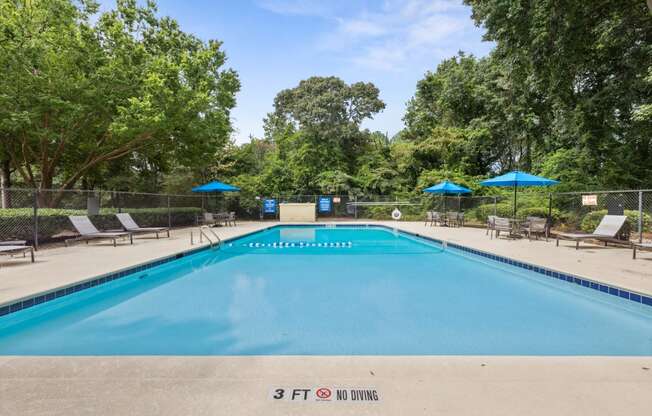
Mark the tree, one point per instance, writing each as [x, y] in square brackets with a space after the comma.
[76, 95]
[587, 63]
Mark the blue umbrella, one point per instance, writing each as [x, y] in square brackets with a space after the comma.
[516, 179]
[215, 186]
[447, 188]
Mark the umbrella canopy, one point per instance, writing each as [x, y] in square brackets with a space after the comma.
[516, 179]
[447, 188]
[215, 186]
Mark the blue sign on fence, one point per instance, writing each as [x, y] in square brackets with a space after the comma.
[269, 206]
[325, 204]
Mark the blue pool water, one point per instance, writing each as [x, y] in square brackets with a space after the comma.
[337, 291]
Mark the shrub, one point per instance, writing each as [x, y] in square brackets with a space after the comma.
[481, 212]
[539, 212]
[593, 218]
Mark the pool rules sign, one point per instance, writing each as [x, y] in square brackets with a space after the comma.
[324, 394]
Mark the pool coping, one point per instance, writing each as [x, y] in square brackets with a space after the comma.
[16, 305]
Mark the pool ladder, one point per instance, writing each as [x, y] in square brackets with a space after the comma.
[204, 233]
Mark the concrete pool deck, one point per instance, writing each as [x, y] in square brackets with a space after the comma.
[416, 385]
[424, 385]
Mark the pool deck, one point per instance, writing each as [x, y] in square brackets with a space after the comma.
[417, 385]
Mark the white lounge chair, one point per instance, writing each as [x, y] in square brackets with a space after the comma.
[11, 248]
[640, 246]
[130, 225]
[608, 230]
[87, 231]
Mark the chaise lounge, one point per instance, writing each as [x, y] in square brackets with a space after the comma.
[88, 231]
[16, 247]
[131, 226]
[609, 229]
[640, 246]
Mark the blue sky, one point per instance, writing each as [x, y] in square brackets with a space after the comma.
[274, 44]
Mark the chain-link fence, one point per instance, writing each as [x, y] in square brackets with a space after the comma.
[583, 210]
[40, 216]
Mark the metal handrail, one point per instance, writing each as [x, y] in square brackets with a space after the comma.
[202, 233]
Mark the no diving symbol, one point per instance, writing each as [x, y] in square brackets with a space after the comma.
[323, 393]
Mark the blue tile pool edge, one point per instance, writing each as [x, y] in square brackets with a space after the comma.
[33, 300]
[627, 294]
[51, 294]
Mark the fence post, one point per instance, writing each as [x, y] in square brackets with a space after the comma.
[495, 205]
[640, 216]
[355, 206]
[169, 214]
[550, 207]
[35, 206]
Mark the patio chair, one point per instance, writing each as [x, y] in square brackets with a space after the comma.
[88, 231]
[536, 226]
[611, 228]
[490, 225]
[429, 218]
[502, 225]
[460, 219]
[10, 248]
[438, 218]
[452, 219]
[130, 225]
[208, 219]
[640, 246]
[231, 218]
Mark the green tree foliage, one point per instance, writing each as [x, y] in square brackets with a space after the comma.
[80, 90]
[585, 68]
[313, 137]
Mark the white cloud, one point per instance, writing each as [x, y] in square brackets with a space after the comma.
[398, 34]
[361, 27]
[298, 7]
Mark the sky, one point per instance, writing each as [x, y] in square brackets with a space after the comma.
[274, 44]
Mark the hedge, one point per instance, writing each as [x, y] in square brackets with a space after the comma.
[53, 224]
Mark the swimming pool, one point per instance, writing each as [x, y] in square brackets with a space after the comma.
[331, 291]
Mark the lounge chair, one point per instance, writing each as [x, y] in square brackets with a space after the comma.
[640, 246]
[609, 229]
[502, 225]
[130, 225]
[87, 231]
[16, 247]
[536, 226]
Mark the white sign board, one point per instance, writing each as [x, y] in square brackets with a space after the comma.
[589, 200]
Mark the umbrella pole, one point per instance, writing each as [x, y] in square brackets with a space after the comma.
[514, 215]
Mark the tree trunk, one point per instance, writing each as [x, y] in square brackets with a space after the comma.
[5, 183]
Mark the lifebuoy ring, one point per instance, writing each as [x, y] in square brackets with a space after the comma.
[396, 214]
